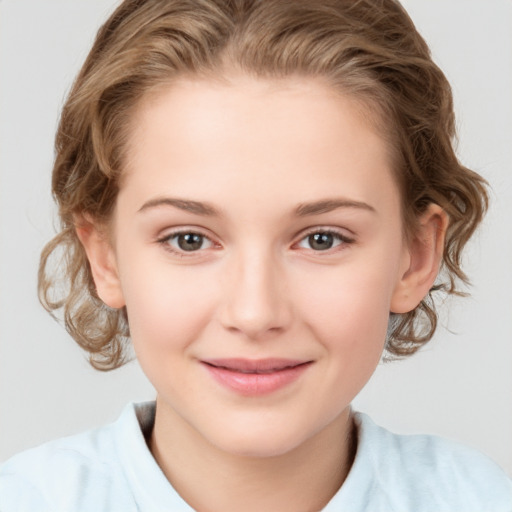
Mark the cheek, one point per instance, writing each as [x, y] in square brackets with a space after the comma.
[167, 306]
[349, 311]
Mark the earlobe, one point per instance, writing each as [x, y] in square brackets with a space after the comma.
[101, 256]
[425, 253]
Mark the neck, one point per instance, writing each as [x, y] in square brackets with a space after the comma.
[211, 479]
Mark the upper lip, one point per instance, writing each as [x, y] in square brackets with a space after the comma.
[255, 365]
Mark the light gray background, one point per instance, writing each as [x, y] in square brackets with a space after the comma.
[459, 386]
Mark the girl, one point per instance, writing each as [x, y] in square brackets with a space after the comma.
[259, 195]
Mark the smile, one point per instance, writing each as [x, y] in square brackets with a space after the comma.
[255, 377]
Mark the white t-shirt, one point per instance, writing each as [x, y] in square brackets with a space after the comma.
[112, 470]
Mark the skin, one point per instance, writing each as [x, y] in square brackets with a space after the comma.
[255, 286]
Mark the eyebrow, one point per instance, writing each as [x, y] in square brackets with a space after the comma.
[197, 207]
[302, 210]
[328, 205]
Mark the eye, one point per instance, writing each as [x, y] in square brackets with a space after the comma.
[323, 240]
[186, 241]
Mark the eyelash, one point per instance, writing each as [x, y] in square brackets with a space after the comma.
[165, 242]
[342, 238]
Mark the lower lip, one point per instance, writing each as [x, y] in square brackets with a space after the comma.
[254, 384]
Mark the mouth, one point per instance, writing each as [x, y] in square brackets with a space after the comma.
[255, 377]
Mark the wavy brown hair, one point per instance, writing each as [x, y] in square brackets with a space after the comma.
[367, 49]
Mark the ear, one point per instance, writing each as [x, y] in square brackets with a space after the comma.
[425, 252]
[101, 256]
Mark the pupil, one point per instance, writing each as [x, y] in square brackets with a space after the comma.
[321, 241]
[190, 241]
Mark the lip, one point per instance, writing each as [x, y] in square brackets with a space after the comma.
[253, 377]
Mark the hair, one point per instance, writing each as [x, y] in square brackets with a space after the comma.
[367, 49]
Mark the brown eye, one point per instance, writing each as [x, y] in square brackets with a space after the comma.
[324, 240]
[190, 241]
[321, 241]
[186, 241]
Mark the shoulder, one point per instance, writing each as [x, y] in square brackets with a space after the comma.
[73, 473]
[440, 474]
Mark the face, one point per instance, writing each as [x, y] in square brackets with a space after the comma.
[258, 247]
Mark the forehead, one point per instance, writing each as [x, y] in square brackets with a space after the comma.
[285, 106]
[289, 138]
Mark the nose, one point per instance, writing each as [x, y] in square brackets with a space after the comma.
[255, 297]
